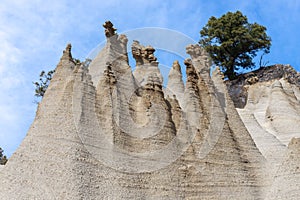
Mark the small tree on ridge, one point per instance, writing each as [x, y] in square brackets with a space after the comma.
[3, 158]
[42, 85]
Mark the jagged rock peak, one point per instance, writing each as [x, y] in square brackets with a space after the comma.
[190, 69]
[67, 53]
[188, 62]
[109, 29]
[119, 41]
[116, 136]
[175, 86]
[195, 51]
[143, 55]
[176, 66]
[200, 59]
[114, 52]
[191, 82]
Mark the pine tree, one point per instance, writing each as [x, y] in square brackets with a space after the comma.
[233, 42]
[3, 158]
[42, 85]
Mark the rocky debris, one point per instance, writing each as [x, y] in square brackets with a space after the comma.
[238, 88]
[252, 80]
[67, 53]
[294, 145]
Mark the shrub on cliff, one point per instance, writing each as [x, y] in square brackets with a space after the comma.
[3, 158]
[42, 85]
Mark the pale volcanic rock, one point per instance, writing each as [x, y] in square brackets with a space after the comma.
[146, 63]
[113, 53]
[283, 112]
[175, 84]
[103, 132]
[286, 181]
[272, 115]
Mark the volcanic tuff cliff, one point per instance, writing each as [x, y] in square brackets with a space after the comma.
[103, 132]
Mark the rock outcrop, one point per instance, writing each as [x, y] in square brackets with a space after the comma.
[270, 103]
[103, 132]
[146, 63]
[238, 87]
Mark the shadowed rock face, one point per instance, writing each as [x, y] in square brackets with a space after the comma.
[103, 132]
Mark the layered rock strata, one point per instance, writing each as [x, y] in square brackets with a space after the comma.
[103, 132]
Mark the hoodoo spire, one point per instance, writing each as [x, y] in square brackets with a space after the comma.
[109, 29]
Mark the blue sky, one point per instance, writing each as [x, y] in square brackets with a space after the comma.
[33, 34]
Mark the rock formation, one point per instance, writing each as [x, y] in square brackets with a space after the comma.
[103, 132]
[238, 87]
[269, 105]
[175, 83]
[145, 62]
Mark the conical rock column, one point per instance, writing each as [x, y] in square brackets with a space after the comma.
[175, 84]
[44, 166]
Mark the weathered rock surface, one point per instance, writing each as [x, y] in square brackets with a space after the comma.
[175, 84]
[238, 88]
[103, 132]
[146, 63]
[271, 114]
[285, 184]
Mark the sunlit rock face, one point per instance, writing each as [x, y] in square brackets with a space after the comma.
[105, 132]
[269, 106]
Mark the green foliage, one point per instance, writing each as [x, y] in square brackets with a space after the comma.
[42, 85]
[232, 42]
[76, 61]
[3, 158]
